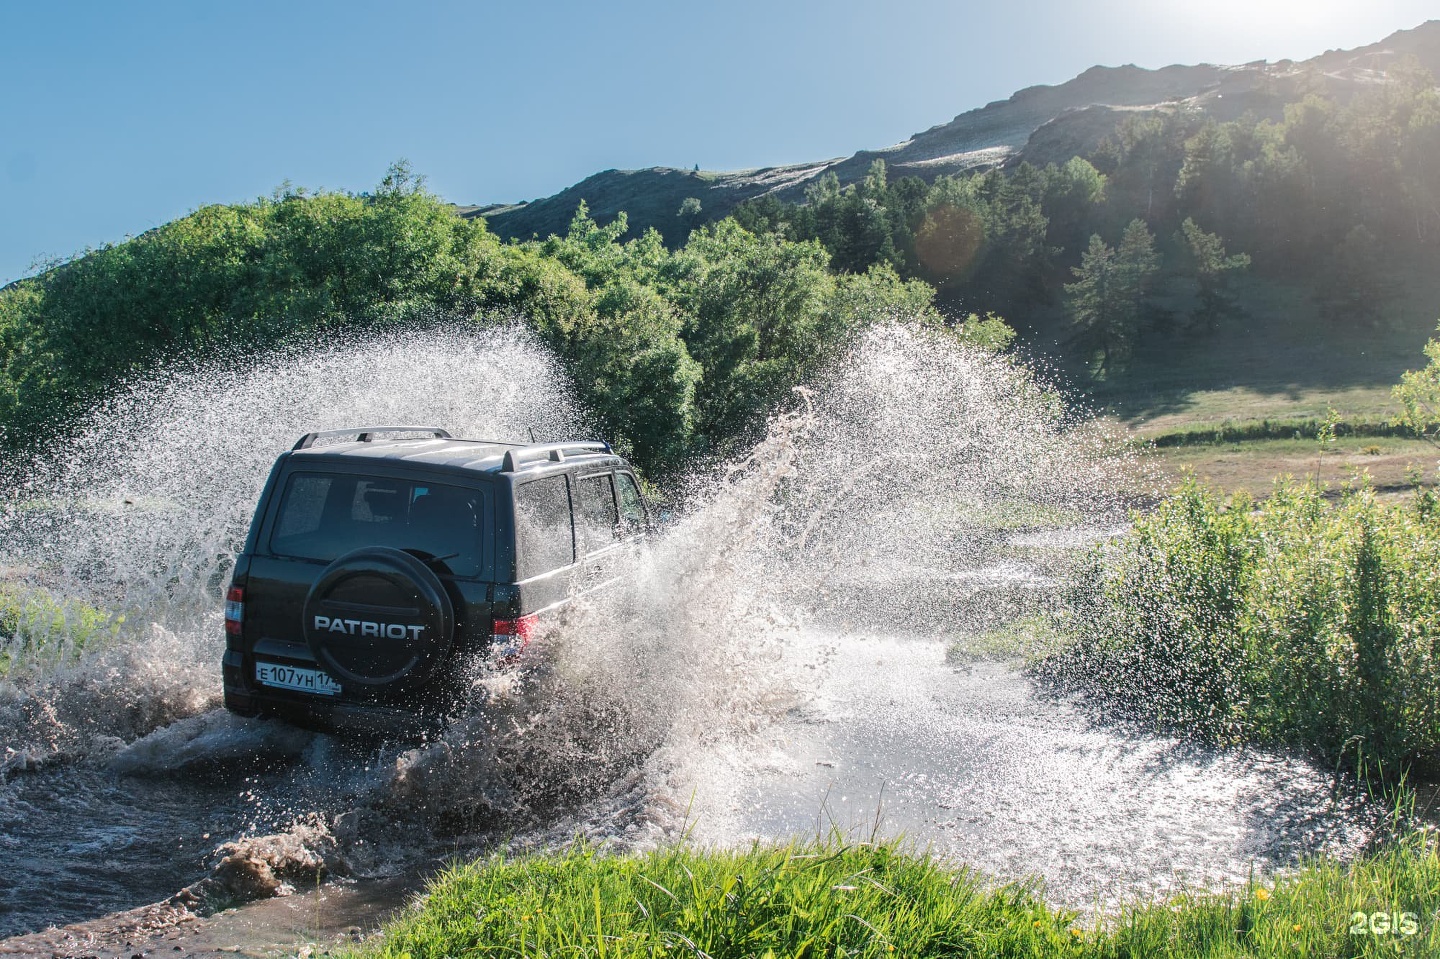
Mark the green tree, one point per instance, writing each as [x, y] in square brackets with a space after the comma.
[754, 315]
[761, 313]
[767, 214]
[1108, 298]
[1418, 394]
[1419, 156]
[1101, 326]
[689, 213]
[1142, 162]
[1073, 194]
[639, 376]
[1206, 183]
[1211, 268]
[230, 276]
[1138, 257]
[624, 346]
[1351, 290]
[672, 351]
[989, 332]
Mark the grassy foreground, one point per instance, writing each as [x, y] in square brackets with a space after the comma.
[832, 898]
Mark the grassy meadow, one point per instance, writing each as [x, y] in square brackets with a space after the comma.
[1240, 407]
[1389, 464]
[1280, 359]
[39, 627]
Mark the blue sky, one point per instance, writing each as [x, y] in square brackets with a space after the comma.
[119, 117]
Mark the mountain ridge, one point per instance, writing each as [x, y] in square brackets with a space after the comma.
[1041, 124]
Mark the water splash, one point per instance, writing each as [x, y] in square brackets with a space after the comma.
[926, 465]
[689, 652]
[137, 513]
[906, 487]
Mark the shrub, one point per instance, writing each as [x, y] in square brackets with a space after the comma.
[674, 352]
[1294, 621]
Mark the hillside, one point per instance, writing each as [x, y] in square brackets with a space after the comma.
[1041, 124]
[649, 197]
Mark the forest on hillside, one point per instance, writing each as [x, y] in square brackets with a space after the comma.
[1173, 198]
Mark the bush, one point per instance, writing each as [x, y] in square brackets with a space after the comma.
[1203, 434]
[1295, 621]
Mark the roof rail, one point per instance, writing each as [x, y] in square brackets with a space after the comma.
[364, 433]
[552, 452]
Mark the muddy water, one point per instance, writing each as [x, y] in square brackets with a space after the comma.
[779, 664]
[82, 842]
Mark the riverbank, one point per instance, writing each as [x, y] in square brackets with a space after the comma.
[869, 899]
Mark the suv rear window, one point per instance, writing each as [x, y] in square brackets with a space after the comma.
[324, 515]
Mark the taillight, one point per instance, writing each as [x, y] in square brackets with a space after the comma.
[510, 636]
[234, 609]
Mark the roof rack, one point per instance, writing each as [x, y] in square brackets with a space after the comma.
[550, 452]
[363, 434]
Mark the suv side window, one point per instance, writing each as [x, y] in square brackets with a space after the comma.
[632, 507]
[595, 512]
[544, 532]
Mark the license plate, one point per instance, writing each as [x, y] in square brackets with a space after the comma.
[293, 677]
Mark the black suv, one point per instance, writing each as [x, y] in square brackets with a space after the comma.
[382, 562]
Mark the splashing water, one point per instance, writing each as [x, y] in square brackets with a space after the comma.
[143, 506]
[924, 462]
[780, 656]
[690, 652]
[139, 511]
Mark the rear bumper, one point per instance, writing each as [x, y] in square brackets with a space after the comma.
[245, 697]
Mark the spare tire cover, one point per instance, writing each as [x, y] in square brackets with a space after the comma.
[379, 617]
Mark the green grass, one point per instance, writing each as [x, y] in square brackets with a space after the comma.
[833, 898]
[1279, 367]
[36, 626]
[1391, 463]
[1280, 361]
[1277, 370]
